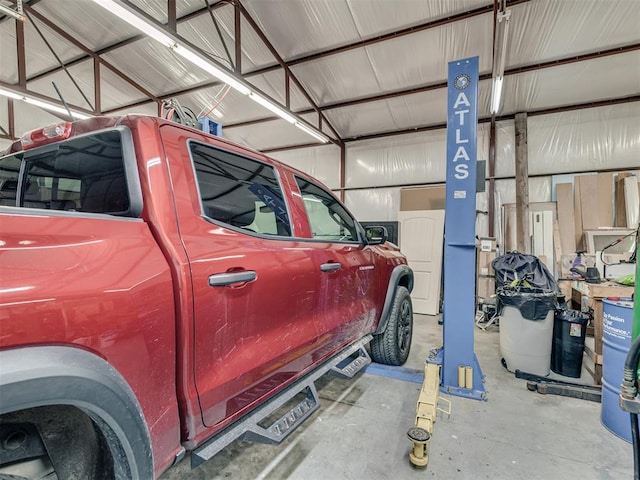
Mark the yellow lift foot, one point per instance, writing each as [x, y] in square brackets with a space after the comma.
[420, 438]
[426, 411]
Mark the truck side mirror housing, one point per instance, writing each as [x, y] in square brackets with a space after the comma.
[376, 235]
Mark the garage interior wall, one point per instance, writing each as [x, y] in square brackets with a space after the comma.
[572, 142]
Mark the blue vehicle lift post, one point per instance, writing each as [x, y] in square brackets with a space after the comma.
[460, 371]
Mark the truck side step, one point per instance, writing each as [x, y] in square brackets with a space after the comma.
[353, 364]
[249, 428]
[287, 423]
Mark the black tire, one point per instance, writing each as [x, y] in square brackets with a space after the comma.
[392, 347]
[66, 441]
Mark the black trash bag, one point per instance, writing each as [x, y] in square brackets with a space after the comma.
[572, 316]
[533, 303]
[514, 266]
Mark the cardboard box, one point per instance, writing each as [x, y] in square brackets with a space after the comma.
[566, 220]
[422, 198]
[594, 203]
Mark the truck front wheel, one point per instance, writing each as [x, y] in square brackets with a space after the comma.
[57, 442]
[392, 347]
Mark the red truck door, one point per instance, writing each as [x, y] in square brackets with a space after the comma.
[254, 286]
[348, 277]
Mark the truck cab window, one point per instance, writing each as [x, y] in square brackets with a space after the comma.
[83, 174]
[240, 192]
[9, 171]
[328, 219]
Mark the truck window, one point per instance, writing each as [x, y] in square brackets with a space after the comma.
[9, 171]
[83, 174]
[328, 219]
[240, 192]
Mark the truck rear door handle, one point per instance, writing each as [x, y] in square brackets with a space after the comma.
[224, 279]
[330, 267]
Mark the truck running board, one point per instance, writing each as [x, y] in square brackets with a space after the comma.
[346, 363]
[352, 364]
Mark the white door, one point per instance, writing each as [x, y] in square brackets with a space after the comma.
[421, 239]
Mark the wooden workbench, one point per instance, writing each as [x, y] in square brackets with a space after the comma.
[590, 295]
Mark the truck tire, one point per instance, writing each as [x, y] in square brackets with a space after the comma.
[392, 346]
[56, 442]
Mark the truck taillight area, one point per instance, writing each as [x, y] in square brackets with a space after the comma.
[46, 135]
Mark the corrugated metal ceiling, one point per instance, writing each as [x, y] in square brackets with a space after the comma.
[349, 56]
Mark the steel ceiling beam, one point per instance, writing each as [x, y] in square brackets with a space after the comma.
[410, 91]
[442, 126]
[126, 41]
[56, 101]
[361, 44]
[172, 16]
[389, 36]
[20, 51]
[288, 73]
[277, 66]
[443, 84]
[12, 118]
[237, 31]
[531, 113]
[91, 54]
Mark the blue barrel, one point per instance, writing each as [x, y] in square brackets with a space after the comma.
[617, 320]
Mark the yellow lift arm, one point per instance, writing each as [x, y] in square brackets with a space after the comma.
[426, 411]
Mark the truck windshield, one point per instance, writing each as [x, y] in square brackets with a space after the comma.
[83, 174]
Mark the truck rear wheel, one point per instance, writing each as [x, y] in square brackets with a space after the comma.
[392, 347]
[52, 443]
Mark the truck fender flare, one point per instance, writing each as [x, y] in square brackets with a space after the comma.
[401, 275]
[57, 375]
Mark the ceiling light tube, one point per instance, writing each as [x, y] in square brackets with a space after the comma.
[135, 19]
[138, 20]
[501, 42]
[44, 104]
[208, 66]
[130, 16]
[496, 94]
[269, 105]
[11, 94]
[313, 132]
[14, 13]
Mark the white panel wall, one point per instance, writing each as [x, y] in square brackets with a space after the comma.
[408, 159]
[322, 163]
[577, 141]
[584, 140]
[379, 204]
[505, 165]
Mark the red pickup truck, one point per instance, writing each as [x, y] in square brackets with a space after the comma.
[164, 290]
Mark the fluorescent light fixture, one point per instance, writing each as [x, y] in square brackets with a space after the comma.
[131, 17]
[500, 53]
[44, 104]
[17, 14]
[10, 94]
[313, 132]
[137, 20]
[496, 94]
[268, 104]
[208, 66]
[499, 59]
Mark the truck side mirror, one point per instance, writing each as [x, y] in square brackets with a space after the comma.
[376, 235]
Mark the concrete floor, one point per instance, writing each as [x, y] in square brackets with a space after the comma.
[360, 432]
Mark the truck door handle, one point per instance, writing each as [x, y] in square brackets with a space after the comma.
[224, 279]
[330, 267]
